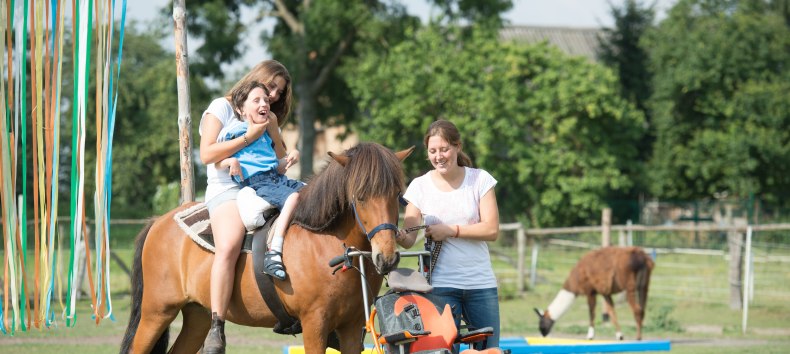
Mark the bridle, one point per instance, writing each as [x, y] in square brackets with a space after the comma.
[384, 226]
[375, 230]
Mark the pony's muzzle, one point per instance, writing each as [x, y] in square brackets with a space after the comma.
[385, 264]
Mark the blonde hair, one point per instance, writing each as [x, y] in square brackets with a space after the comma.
[264, 72]
[448, 131]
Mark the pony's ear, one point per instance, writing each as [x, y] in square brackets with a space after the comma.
[403, 154]
[540, 314]
[341, 159]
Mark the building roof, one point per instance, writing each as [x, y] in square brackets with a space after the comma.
[572, 41]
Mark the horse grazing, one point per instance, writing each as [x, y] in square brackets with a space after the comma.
[604, 271]
[357, 191]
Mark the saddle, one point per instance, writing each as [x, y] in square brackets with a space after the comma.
[195, 222]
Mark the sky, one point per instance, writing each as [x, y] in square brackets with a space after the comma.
[565, 13]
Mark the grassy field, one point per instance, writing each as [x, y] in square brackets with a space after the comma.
[688, 304]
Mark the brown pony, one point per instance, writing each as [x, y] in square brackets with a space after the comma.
[358, 191]
[604, 271]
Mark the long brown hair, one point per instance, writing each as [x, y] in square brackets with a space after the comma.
[448, 131]
[265, 72]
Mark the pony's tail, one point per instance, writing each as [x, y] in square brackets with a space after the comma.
[643, 266]
[137, 297]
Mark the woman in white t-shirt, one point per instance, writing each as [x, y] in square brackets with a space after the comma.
[459, 205]
[221, 190]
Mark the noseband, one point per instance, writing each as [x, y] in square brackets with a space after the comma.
[384, 226]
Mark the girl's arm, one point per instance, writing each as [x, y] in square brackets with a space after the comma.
[488, 227]
[233, 166]
[412, 217]
[485, 230]
[211, 151]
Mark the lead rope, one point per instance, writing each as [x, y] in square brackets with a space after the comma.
[430, 245]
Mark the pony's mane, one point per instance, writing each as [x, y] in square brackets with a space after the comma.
[372, 171]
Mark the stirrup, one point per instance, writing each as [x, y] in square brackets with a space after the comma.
[272, 267]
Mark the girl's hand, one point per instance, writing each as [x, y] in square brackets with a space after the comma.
[440, 232]
[255, 130]
[234, 167]
[273, 119]
[292, 158]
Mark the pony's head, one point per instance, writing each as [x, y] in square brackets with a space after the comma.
[545, 322]
[363, 183]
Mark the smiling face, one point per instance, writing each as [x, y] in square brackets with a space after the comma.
[442, 154]
[277, 87]
[256, 106]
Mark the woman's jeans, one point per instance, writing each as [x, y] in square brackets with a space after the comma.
[479, 308]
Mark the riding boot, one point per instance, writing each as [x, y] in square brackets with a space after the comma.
[215, 340]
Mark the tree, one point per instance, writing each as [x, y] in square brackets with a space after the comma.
[720, 101]
[620, 50]
[315, 38]
[553, 130]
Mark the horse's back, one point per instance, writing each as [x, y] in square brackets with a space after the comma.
[608, 270]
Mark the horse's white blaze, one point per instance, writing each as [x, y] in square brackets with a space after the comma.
[562, 302]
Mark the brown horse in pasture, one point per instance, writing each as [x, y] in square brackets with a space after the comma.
[358, 191]
[604, 271]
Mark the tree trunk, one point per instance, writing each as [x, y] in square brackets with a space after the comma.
[306, 112]
[184, 118]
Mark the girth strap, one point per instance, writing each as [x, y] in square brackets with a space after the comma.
[286, 323]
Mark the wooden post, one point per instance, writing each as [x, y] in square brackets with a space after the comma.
[747, 280]
[606, 227]
[521, 241]
[735, 245]
[533, 270]
[184, 118]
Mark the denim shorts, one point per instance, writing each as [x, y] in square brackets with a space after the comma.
[273, 187]
[226, 196]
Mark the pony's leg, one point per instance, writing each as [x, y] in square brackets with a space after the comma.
[639, 312]
[153, 324]
[613, 314]
[315, 334]
[351, 338]
[591, 306]
[196, 324]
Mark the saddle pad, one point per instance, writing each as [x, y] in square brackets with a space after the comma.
[195, 223]
[407, 279]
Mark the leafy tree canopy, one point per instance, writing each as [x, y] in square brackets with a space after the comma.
[720, 103]
[314, 39]
[552, 129]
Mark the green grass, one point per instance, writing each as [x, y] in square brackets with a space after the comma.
[688, 305]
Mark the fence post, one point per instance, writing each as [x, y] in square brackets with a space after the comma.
[630, 236]
[735, 245]
[746, 278]
[606, 227]
[533, 272]
[521, 241]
